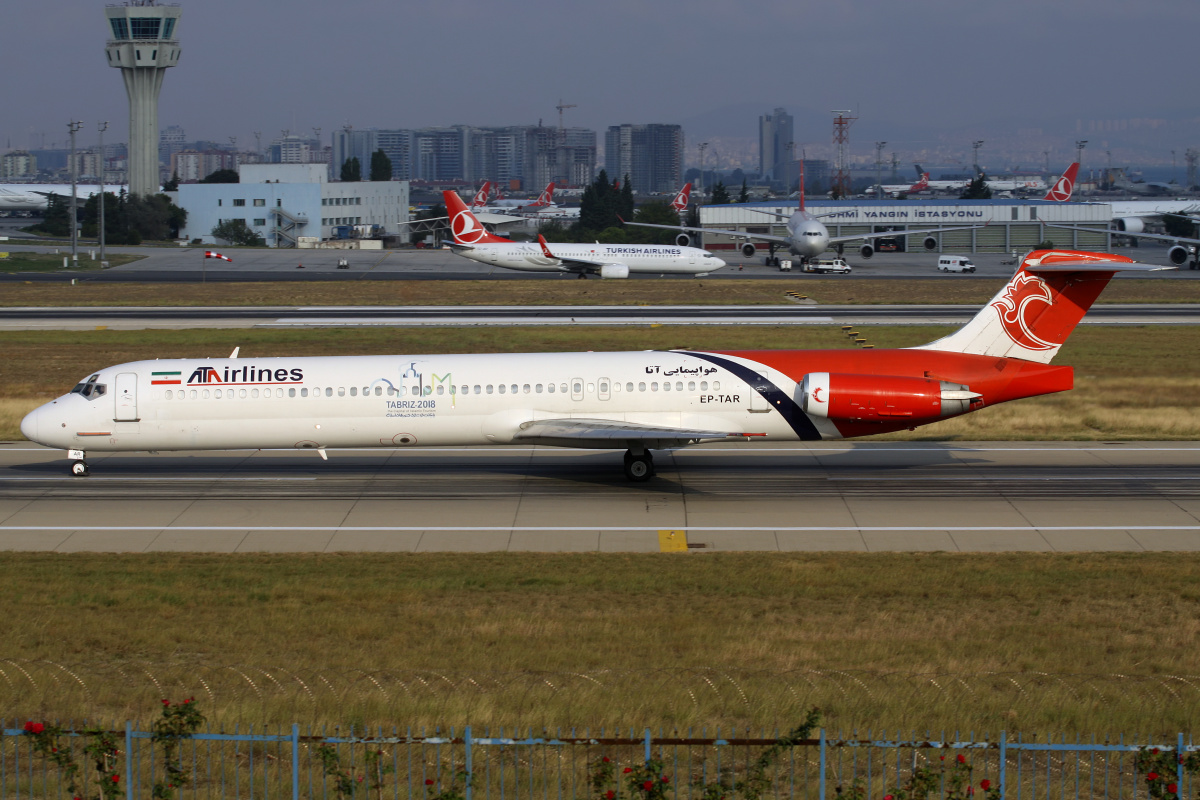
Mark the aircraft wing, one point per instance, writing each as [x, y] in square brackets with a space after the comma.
[893, 234]
[618, 433]
[764, 237]
[1160, 236]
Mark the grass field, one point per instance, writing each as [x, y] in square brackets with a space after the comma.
[1114, 367]
[49, 262]
[830, 291]
[1091, 643]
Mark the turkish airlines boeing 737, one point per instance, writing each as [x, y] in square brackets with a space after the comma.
[636, 401]
[473, 241]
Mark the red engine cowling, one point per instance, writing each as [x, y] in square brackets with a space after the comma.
[882, 398]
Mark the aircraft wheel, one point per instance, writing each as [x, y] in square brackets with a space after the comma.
[640, 467]
[79, 469]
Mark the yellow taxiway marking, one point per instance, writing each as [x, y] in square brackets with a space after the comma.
[672, 541]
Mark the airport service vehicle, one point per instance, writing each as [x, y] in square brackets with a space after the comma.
[807, 237]
[955, 264]
[827, 266]
[635, 401]
[472, 240]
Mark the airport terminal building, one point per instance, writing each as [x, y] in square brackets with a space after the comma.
[1007, 224]
[284, 203]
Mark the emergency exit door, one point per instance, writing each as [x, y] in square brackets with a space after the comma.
[125, 397]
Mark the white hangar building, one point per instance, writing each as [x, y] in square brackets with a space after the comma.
[1009, 224]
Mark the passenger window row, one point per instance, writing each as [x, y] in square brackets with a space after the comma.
[416, 391]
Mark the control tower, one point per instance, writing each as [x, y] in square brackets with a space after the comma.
[142, 45]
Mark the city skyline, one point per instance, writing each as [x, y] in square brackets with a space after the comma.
[981, 72]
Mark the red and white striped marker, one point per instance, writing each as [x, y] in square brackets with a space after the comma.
[211, 254]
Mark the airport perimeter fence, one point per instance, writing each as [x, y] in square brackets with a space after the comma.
[473, 765]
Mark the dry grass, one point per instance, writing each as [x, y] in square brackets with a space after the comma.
[49, 262]
[892, 641]
[830, 291]
[1114, 367]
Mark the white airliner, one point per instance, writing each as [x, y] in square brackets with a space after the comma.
[807, 237]
[633, 401]
[36, 196]
[472, 240]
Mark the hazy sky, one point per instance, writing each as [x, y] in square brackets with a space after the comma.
[914, 70]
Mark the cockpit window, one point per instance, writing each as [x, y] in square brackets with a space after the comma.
[90, 388]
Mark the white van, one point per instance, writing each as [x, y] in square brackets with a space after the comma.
[826, 266]
[955, 264]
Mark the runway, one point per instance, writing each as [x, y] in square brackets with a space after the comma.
[135, 318]
[187, 265]
[861, 496]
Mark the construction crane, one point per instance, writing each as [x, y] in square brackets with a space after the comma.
[562, 130]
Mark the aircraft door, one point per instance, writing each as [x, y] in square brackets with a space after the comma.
[758, 403]
[125, 397]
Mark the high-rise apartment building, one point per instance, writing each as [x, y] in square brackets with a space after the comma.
[774, 136]
[651, 155]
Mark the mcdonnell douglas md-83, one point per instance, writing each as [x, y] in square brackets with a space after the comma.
[635, 402]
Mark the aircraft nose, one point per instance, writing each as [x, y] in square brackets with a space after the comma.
[29, 425]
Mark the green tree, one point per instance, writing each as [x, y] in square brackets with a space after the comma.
[381, 166]
[744, 194]
[598, 207]
[57, 219]
[153, 217]
[656, 213]
[625, 203]
[173, 184]
[235, 231]
[222, 176]
[977, 190]
[352, 170]
[720, 195]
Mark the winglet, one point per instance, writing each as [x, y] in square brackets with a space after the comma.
[545, 247]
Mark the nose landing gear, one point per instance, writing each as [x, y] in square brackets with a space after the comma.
[79, 467]
[639, 466]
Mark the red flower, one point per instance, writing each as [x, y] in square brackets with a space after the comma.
[628, 770]
[962, 759]
[53, 749]
[888, 797]
[648, 785]
[610, 794]
[360, 777]
[34, 727]
[941, 758]
[985, 784]
[665, 779]
[1154, 751]
[970, 791]
[429, 781]
[166, 703]
[1171, 788]
[605, 759]
[116, 778]
[1152, 776]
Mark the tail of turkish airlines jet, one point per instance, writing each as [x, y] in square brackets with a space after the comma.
[546, 198]
[922, 184]
[1036, 311]
[465, 228]
[1064, 187]
[680, 203]
[481, 196]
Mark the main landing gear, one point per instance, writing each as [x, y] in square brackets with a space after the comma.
[79, 467]
[639, 466]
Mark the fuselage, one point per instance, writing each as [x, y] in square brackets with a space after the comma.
[432, 400]
[642, 258]
[807, 236]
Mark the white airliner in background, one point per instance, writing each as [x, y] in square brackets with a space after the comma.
[807, 237]
[472, 240]
[36, 196]
[632, 401]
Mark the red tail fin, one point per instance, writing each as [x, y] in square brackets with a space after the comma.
[481, 196]
[465, 228]
[922, 184]
[680, 203]
[1062, 190]
[546, 197]
[1036, 311]
[802, 184]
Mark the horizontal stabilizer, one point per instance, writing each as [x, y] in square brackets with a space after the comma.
[1095, 266]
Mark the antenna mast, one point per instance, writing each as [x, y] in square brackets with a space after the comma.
[841, 138]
